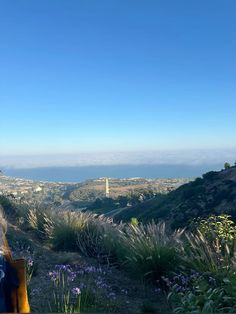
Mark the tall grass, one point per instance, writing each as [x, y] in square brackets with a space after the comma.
[150, 252]
[91, 235]
[147, 251]
[202, 255]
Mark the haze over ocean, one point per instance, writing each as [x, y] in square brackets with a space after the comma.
[84, 166]
[79, 174]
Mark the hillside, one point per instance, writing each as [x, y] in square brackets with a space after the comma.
[82, 262]
[214, 193]
[105, 287]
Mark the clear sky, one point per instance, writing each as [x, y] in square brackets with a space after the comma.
[117, 75]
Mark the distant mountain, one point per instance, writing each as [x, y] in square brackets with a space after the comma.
[213, 193]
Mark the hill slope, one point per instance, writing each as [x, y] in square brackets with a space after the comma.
[214, 193]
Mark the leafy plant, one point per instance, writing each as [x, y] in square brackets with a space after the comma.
[220, 227]
[205, 295]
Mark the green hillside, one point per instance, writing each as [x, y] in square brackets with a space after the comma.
[214, 193]
[80, 262]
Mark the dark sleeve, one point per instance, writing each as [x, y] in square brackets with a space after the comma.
[11, 276]
[11, 282]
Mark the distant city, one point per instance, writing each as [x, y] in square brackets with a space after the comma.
[77, 196]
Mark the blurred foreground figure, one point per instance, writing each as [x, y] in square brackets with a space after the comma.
[13, 288]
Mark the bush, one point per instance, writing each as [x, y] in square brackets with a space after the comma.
[91, 235]
[209, 265]
[203, 256]
[7, 205]
[150, 252]
[218, 227]
[204, 294]
[64, 231]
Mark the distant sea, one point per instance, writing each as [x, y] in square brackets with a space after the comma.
[79, 174]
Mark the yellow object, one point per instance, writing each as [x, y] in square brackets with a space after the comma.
[19, 296]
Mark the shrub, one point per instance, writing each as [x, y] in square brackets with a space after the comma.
[218, 227]
[203, 256]
[64, 228]
[7, 205]
[204, 294]
[227, 165]
[91, 235]
[150, 252]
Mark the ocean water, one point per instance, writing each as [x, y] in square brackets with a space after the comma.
[79, 174]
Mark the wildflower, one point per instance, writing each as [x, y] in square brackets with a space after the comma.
[76, 291]
[90, 269]
[53, 275]
[30, 262]
[63, 267]
[71, 276]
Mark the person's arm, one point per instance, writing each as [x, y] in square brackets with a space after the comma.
[11, 283]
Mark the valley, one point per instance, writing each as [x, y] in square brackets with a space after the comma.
[79, 196]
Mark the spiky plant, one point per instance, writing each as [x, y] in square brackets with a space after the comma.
[150, 252]
[204, 256]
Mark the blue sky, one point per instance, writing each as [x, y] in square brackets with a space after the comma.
[109, 75]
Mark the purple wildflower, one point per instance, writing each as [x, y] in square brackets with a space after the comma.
[53, 275]
[76, 291]
[30, 262]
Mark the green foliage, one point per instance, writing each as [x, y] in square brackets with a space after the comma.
[91, 235]
[150, 252]
[200, 254]
[218, 227]
[211, 252]
[63, 301]
[132, 198]
[226, 165]
[206, 295]
[7, 205]
[64, 231]
[134, 221]
[211, 175]
[214, 193]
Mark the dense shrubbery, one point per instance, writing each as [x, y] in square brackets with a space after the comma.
[151, 253]
[208, 278]
[196, 269]
[7, 205]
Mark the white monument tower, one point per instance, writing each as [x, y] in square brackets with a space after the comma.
[107, 188]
